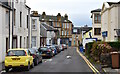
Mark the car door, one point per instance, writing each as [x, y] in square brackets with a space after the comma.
[30, 57]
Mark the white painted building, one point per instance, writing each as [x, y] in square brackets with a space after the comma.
[5, 24]
[96, 24]
[50, 33]
[16, 35]
[110, 16]
[20, 30]
[35, 23]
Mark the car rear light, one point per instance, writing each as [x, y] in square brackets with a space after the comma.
[49, 50]
[25, 53]
[33, 55]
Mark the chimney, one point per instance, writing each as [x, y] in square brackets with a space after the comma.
[59, 17]
[35, 13]
[43, 15]
[66, 17]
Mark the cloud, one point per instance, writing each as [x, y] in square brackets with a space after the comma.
[77, 10]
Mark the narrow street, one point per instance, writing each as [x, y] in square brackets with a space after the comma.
[66, 61]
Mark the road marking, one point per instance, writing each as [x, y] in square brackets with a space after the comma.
[89, 64]
[3, 71]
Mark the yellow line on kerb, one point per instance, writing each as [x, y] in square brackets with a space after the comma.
[89, 64]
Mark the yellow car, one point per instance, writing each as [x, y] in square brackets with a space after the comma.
[18, 58]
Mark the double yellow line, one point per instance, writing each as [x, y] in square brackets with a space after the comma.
[89, 64]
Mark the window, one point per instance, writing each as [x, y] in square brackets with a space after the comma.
[97, 31]
[97, 18]
[67, 25]
[75, 30]
[20, 19]
[27, 21]
[62, 33]
[65, 32]
[14, 16]
[34, 23]
[74, 36]
[20, 41]
[7, 18]
[33, 41]
[62, 25]
[24, 42]
[56, 24]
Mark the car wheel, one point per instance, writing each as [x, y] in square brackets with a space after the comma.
[28, 67]
[36, 62]
[41, 61]
[33, 65]
[6, 69]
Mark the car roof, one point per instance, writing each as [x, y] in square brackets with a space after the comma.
[18, 49]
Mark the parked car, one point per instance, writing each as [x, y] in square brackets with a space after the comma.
[64, 46]
[18, 58]
[54, 50]
[57, 48]
[46, 52]
[61, 47]
[37, 56]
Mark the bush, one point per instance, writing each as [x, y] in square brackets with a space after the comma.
[88, 48]
[115, 45]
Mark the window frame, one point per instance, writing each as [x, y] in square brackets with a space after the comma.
[98, 16]
[97, 29]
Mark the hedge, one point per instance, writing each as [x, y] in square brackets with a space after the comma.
[115, 45]
[88, 46]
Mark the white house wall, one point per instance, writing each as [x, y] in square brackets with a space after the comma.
[36, 32]
[21, 31]
[4, 33]
[110, 21]
[95, 25]
[50, 35]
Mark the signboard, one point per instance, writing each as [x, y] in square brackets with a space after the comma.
[118, 32]
[105, 33]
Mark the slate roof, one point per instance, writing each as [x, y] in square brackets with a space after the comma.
[4, 4]
[54, 18]
[80, 29]
[49, 28]
[96, 10]
[111, 3]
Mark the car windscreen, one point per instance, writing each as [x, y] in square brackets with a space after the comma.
[32, 51]
[16, 53]
[44, 49]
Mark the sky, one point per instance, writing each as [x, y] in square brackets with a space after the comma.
[78, 11]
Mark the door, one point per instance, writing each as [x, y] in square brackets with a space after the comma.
[7, 44]
[15, 42]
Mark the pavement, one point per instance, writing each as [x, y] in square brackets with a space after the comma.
[2, 67]
[111, 71]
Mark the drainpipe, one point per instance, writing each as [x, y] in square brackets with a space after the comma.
[12, 21]
[9, 29]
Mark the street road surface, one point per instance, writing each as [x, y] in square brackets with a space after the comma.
[66, 61]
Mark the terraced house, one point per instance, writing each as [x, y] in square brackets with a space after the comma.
[35, 29]
[96, 24]
[62, 24]
[110, 21]
[14, 32]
